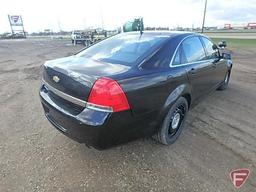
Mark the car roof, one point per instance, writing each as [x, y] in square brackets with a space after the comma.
[167, 33]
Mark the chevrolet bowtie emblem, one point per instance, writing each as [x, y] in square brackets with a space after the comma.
[56, 79]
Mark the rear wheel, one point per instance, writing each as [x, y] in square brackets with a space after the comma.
[173, 123]
[226, 81]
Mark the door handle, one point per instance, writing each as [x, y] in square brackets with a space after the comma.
[169, 77]
[193, 70]
[214, 64]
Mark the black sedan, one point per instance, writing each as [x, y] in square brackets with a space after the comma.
[132, 85]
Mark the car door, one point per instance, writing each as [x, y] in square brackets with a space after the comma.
[199, 69]
[212, 54]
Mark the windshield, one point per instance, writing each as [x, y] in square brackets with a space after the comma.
[124, 48]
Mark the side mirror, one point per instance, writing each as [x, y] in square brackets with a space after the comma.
[217, 52]
[215, 47]
[226, 56]
[222, 44]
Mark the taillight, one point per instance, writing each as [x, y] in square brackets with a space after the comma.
[106, 93]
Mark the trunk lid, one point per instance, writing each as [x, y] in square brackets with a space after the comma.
[75, 76]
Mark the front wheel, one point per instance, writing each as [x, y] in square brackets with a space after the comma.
[173, 123]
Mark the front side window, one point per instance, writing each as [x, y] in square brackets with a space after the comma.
[193, 49]
[123, 49]
[210, 52]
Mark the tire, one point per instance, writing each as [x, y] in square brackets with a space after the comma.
[224, 85]
[170, 129]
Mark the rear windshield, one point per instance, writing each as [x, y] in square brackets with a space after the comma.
[123, 49]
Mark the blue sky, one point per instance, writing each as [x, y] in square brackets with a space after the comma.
[80, 14]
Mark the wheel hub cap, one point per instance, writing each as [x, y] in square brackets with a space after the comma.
[175, 121]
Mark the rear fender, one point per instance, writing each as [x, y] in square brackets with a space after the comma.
[179, 91]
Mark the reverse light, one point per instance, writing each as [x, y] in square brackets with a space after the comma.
[107, 95]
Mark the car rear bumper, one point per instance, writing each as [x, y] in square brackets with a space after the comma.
[71, 125]
[98, 129]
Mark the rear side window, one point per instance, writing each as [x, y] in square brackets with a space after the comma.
[161, 59]
[210, 52]
[179, 57]
[193, 49]
[176, 60]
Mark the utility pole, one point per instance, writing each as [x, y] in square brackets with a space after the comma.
[24, 33]
[9, 17]
[205, 6]
[59, 24]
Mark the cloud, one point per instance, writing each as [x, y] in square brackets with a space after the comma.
[233, 10]
[78, 14]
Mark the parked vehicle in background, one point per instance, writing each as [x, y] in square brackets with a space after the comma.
[87, 37]
[132, 85]
[77, 36]
[6, 36]
[18, 35]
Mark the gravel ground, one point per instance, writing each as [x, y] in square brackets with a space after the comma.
[220, 136]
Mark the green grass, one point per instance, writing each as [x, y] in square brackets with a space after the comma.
[237, 42]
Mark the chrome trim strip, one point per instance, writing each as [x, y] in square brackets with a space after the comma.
[191, 63]
[76, 100]
[65, 96]
[99, 107]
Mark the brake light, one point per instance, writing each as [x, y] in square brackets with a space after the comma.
[107, 93]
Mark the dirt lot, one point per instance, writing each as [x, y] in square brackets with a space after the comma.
[220, 136]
